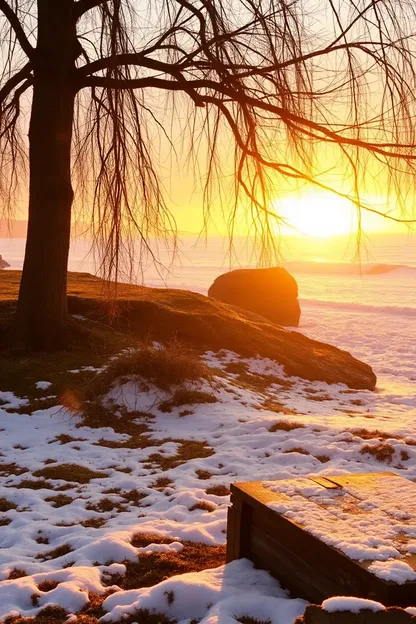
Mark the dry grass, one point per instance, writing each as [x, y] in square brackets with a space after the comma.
[60, 500]
[256, 382]
[162, 483]
[60, 551]
[166, 366]
[200, 322]
[279, 408]
[218, 490]
[152, 568]
[69, 472]
[5, 521]
[64, 438]
[371, 434]
[11, 469]
[16, 574]
[184, 396]
[188, 449]
[93, 523]
[47, 586]
[203, 506]
[285, 425]
[246, 619]
[105, 505]
[6, 505]
[382, 452]
[324, 459]
[28, 484]
[204, 475]
[298, 449]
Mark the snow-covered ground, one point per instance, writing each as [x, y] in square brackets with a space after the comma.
[288, 427]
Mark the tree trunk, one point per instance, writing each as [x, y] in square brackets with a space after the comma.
[42, 318]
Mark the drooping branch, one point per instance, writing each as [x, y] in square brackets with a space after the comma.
[83, 6]
[14, 81]
[17, 27]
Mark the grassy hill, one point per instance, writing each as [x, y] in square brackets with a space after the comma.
[197, 321]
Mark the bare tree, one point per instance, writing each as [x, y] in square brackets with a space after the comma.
[284, 80]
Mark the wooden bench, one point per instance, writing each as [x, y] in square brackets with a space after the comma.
[330, 536]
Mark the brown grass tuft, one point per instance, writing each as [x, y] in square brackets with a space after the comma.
[204, 475]
[382, 452]
[11, 469]
[218, 490]
[298, 449]
[48, 615]
[246, 619]
[162, 483]
[93, 523]
[15, 574]
[323, 458]
[60, 551]
[152, 568]
[28, 484]
[285, 425]
[69, 472]
[105, 505]
[278, 408]
[60, 500]
[167, 366]
[184, 396]
[6, 505]
[203, 506]
[46, 586]
[371, 434]
[188, 449]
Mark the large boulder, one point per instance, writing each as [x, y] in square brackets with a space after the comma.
[3, 263]
[271, 293]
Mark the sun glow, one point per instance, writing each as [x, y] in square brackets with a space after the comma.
[321, 215]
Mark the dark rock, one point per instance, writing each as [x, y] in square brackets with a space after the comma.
[3, 263]
[271, 293]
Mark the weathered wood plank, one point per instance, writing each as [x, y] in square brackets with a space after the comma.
[277, 539]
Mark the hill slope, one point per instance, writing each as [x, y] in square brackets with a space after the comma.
[207, 324]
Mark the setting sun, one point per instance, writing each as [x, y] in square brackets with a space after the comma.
[320, 214]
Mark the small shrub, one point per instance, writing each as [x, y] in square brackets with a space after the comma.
[167, 366]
